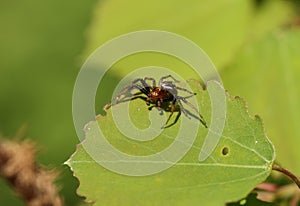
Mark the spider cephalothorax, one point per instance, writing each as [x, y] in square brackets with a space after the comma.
[166, 91]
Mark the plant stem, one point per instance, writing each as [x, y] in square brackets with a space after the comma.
[287, 173]
[29, 179]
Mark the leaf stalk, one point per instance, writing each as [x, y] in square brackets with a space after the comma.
[287, 173]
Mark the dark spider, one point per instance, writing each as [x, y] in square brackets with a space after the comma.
[166, 91]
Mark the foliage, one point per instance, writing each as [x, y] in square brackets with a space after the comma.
[267, 73]
[219, 179]
[252, 42]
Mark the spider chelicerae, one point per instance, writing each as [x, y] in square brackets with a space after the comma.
[166, 91]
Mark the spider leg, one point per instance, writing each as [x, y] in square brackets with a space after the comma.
[184, 111]
[168, 76]
[176, 119]
[158, 103]
[158, 108]
[172, 112]
[116, 99]
[191, 106]
[145, 85]
[133, 85]
[144, 88]
[151, 79]
[127, 89]
[148, 101]
[183, 89]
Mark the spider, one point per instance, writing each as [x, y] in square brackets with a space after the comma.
[166, 91]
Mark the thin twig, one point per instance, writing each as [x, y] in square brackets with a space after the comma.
[30, 180]
[288, 173]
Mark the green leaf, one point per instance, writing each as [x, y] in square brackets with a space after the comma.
[225, 176]
[270, 16]
[210, 24]
[267, 74]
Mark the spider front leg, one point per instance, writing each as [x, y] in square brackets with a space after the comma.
[117, 98]
[145, 88]
[133, 85]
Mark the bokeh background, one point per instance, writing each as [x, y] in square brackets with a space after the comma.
[255, 44]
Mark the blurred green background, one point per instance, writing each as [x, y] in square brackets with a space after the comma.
[255, 45]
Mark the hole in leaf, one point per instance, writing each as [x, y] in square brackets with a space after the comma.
[225, 151]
